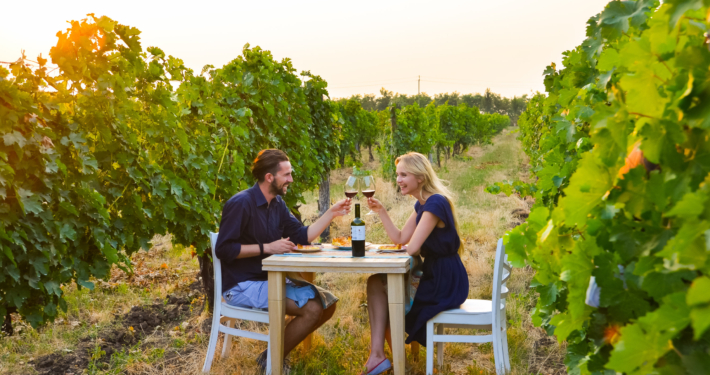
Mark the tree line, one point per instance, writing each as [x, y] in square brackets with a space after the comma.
[443, 129]
[488, 102]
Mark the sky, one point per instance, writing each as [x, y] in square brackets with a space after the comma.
[358, 47]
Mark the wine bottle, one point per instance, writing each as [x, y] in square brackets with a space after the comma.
[358, 233]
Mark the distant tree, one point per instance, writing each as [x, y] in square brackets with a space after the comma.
[517, 106]
[488, 104]
[473, 100]
[384, 101]
[501, 105]
[368, 102]
[450, 98]
[422, 99]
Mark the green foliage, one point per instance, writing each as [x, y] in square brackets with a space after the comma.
[360, 128]
[620, 150]
[327, 124]
[521, 188]
[434, 129]
[413, 132]
[125, 143]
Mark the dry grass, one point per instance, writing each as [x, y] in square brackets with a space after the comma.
[341, 346]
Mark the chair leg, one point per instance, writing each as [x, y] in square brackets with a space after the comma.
[430, 348]
[497, 350]
[214, 334]
[504, 348]
[268, 358]
[227, 345]
[440, 347]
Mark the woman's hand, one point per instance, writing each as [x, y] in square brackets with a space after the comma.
[375, 205]
[341, 208]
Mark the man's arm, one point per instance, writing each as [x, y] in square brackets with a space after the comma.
[339, 209]
[302, 235]
[276, 247]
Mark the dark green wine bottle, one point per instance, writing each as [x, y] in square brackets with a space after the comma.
[358, 233]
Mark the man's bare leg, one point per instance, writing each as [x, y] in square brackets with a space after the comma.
[306, 320]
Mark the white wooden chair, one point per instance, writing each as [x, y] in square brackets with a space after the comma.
[223, 311]
[476, 314]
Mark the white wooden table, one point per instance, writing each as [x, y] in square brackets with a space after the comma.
[396, 266]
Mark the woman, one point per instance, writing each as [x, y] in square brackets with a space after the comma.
[431, 232]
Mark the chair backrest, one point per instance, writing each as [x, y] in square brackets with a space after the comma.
[501, 274]
[217, 270]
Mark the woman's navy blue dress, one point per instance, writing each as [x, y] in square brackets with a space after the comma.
[444, 282]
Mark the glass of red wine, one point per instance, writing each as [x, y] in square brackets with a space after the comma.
[352, 187]
[367, 184]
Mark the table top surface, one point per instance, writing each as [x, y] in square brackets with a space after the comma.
[333, 260]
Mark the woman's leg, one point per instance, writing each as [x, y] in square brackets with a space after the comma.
[378, 310]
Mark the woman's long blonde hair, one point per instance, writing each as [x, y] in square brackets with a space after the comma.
[419, 166]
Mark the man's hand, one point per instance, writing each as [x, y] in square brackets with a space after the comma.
[279, 247]
[341, 208]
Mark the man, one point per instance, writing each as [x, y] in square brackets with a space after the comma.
[256, 223]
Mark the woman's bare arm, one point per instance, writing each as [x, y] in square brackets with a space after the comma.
[397, 236]
[423, 230]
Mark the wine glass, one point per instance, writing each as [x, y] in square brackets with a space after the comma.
[367, 184]
[352, 186]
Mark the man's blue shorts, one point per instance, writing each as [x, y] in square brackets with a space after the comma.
[254, 294]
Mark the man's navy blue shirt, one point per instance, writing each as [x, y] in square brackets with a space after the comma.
[247, 219]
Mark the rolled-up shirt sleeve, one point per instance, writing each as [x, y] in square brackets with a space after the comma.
[230, 229]
[293, 228]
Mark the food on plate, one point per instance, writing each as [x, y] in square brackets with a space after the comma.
[343, 241]
[308, 247]
[391, 247]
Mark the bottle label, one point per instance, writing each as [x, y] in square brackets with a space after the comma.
[358, 233]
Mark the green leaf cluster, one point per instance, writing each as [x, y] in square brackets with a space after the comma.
[359, 128]
[124, 143]
[620, 149]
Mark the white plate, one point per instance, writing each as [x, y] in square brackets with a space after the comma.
[309, 250]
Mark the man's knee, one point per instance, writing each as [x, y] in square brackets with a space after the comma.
[328, 313]
[313, 310]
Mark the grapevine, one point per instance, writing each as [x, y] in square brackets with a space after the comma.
[125, 143]
[619, 147]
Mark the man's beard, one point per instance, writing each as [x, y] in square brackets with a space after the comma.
[276, 189]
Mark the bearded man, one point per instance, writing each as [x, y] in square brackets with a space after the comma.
[256, 223]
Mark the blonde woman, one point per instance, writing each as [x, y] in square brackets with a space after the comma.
[431, 231]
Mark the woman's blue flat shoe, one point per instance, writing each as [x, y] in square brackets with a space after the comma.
[382, 367]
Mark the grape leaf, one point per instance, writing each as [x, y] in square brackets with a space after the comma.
[698, 292]
[690, 207]
[701, 320]
[586, 189]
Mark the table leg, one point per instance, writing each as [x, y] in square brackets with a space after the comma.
[310, 277]
[414, 346]
[277, 311]
[395, 292]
